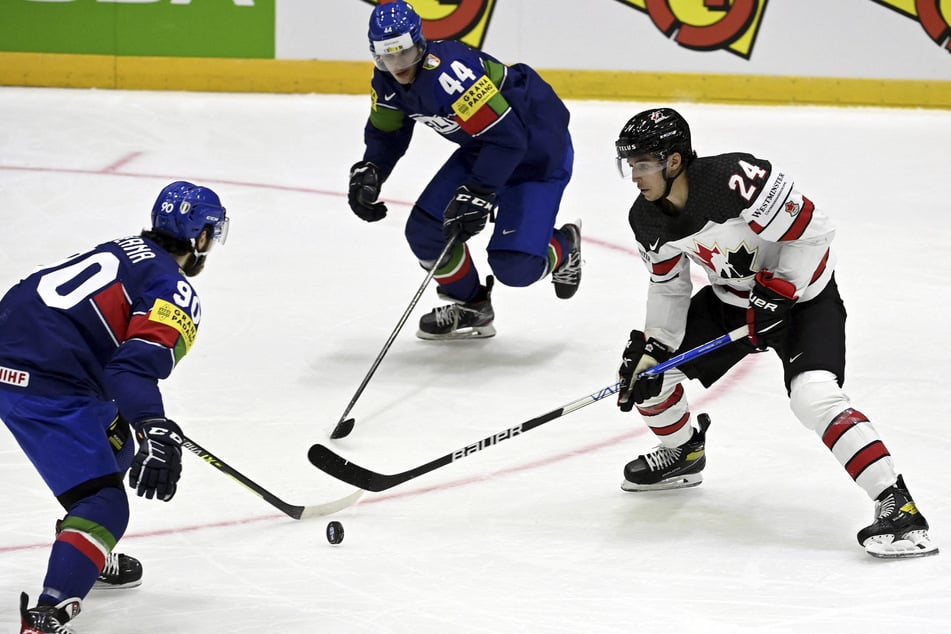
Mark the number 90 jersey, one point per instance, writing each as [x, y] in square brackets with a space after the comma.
[109, 322]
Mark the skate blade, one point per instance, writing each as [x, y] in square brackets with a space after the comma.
[914, 544]
[478, 332]
[680, 482]
[103, 585]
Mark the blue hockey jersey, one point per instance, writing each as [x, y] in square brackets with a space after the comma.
[109, 322]
[508, 116]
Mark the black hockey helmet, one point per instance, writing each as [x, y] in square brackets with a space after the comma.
[658, 132]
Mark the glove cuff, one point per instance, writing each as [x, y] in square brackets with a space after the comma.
[777, 285]
[659, 351]
[481, 190]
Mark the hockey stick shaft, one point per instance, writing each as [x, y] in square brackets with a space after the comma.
[296, 512]
[699, 351]
[335, 465]
[392, 338]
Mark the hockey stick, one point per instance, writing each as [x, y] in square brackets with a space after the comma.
[345, 425]
[342, 469]
[296, 512]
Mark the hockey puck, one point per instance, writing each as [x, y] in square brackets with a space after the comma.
[334, 532]
[343, 428]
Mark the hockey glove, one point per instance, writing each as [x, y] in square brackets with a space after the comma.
[157, 465]
[770, 302]
[365, 186]
[467, 213]
[640, 355]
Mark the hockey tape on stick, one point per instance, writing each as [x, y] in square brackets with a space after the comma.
[340, 468]
[296, 512]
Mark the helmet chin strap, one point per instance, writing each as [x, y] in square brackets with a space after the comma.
[669, 180]
[194, 264]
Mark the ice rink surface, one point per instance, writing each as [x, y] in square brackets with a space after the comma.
[534, 534]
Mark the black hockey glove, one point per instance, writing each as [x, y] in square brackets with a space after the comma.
[639, 355]
[157, 465]
[467, 212]
[770, 302]
[365, 186]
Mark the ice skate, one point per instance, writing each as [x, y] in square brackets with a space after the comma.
[47, 619]
[899, 529]
[567, 277]
[670, 468]
[461, 320]
[120, 571]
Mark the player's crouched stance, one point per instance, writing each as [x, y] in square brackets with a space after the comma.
[83, 344]
[511, 168]
[765, 249]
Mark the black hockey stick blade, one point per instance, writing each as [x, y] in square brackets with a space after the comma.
[342, 429]
[335, 465]
[339, 467]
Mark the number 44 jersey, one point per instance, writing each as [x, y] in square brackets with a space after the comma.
[507, 116]
[109, 323]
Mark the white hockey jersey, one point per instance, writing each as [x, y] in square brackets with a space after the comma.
[742, 215]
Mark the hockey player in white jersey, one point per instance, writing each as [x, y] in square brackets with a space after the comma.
[765, 248]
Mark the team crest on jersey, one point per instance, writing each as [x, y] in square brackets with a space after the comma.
[732, 264]
[792, 208]
[431, 62]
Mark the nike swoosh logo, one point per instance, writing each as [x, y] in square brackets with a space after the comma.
[653, 246]
[793, 359]
[389, 96]
[506, 232]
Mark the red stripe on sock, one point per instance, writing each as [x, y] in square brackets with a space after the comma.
[865, 457]
[660, 408]
[670, 429]
[841, 424]
[83, 544]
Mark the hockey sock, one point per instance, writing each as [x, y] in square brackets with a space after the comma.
[88, 534]
[856, 445]
[558, 249]
[668, 416]
[457, 276]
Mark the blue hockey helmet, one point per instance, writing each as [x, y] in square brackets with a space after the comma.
[182, 210]
[396, 36]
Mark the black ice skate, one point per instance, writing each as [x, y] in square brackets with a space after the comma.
[47, 619]
[469, 320]
[121, 571]
[567, 277]
[899, 529]
[666, 468]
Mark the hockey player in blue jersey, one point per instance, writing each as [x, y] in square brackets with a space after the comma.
[83, 344]
[512, 165]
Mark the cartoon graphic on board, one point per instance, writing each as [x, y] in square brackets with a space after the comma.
[934, 15]
[707, 25]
